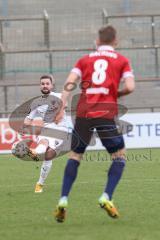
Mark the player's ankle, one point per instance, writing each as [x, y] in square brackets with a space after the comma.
[63, 201]
[63, 198]
[105, 195]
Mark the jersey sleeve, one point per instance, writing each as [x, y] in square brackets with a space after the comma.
[127, 70]
[32, 114]
[78, 68]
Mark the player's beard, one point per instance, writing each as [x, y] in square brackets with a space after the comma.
[45, 92]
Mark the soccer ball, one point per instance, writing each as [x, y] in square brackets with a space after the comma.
[19, 149]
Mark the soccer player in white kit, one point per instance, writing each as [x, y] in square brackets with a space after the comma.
[45, 108]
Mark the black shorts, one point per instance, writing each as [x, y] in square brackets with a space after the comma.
[106, 129]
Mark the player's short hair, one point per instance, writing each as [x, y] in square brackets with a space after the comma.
[49, 76]
[107, 34]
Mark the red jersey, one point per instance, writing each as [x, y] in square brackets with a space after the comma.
[100, 72]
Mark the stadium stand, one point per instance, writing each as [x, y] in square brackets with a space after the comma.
[36, 38]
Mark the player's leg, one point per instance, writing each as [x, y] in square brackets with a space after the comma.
[38, 153]
[70, 174]
[115, 146]
[41, 146]
[45, 169]
[114, 175]
[80, 139]
[115, 171]
[53, 148]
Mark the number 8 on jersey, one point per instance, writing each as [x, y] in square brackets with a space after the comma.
[99, 75]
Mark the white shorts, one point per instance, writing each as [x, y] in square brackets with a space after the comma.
[56, 135]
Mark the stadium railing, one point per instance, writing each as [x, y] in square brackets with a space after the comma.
[151, 75]
[46, 38]
[5, 87]
[129, 17]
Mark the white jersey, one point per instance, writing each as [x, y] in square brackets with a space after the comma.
[46, 108]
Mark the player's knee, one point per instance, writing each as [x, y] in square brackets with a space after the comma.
[76, 156]
[50, 154]
[119, 154]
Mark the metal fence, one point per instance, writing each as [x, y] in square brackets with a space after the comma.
[135, 29]
[22, 34]
[31, 46]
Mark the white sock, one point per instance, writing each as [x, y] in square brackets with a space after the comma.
[105, 195]
[64, 198]
[41, 149]
[45, 169]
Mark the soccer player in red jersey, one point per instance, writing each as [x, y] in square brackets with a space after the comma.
[99, 73]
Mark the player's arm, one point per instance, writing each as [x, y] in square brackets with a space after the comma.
[28, 126]
[127, 79]
[70, 84]
[66, 93]
[128, 86]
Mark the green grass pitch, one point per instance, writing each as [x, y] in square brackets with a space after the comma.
[25, 215]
